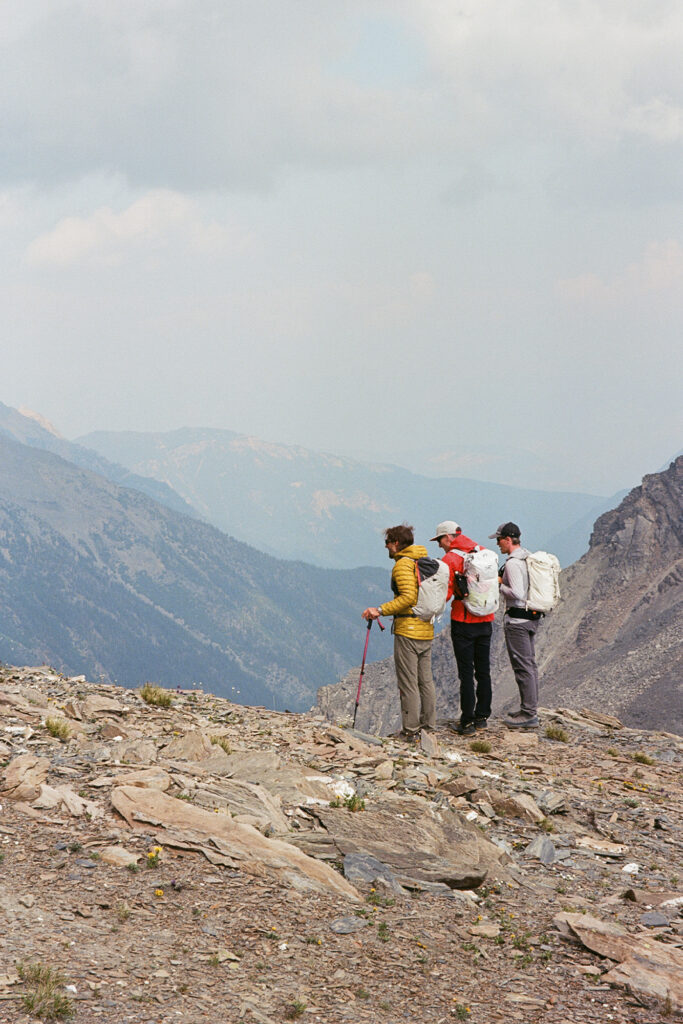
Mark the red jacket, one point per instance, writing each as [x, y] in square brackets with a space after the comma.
[454, 560]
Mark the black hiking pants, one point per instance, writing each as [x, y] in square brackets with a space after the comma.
[472, 649]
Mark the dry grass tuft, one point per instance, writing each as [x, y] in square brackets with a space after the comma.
[156, 696]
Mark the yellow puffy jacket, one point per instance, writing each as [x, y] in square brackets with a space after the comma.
[404, 585]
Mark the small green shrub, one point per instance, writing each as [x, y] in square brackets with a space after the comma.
[644, 759]
[480, 746]
[613, 752]
[556, 732]
[294, 1010]
[156, 696]
[546, 825]
[377, 900]
[383, 932]
[122, 911]
[44, 999]
[351, 803]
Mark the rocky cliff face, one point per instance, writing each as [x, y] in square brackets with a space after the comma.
[613, 642]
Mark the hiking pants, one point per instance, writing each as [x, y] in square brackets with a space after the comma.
[472, 649]
[520, 640]
[413, 662]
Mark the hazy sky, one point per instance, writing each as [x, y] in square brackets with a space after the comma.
[370, 226]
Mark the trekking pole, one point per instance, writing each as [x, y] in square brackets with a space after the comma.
[362, 668]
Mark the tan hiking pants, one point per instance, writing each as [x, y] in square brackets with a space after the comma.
[413, 661]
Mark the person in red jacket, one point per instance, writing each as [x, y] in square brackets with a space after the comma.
[471, 636]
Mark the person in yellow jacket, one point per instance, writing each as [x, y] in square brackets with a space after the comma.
[412, 636]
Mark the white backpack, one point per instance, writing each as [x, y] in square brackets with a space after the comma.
[432, 588]
[544, 581]
[481, 570]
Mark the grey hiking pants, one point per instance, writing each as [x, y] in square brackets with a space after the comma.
[413, 662]
[520, 640]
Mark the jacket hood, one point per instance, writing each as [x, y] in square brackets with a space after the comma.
[463, 543]
[412, 551]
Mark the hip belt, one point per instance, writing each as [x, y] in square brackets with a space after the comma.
[523, 613]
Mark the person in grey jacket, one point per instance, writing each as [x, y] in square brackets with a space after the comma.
[520, 626]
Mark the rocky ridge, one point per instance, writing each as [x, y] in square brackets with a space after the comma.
[207, 860]
[616, 637]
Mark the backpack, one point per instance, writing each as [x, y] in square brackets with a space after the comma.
[481, 569]
[544, 581]
[432, 588]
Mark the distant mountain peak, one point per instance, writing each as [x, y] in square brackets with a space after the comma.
[40, 420]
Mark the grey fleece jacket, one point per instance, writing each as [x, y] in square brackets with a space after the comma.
[515, 585]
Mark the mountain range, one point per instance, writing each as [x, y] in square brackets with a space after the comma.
[330, 510]
[615, 642]
[100, 579]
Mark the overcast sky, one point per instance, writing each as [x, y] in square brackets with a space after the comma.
[373, 227]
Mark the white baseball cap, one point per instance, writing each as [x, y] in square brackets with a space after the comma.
[448, 526]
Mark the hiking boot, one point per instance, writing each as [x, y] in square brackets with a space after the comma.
[522, 722]
[481, 723]
[406, 737]
[465, 729]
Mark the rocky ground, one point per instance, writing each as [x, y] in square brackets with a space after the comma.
[208, 861]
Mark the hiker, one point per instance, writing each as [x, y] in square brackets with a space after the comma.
[412, 636]
[520, 625]
[470, 635]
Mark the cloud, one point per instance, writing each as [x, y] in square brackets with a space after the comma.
[230, 96]
[659, 272]
[108, 237]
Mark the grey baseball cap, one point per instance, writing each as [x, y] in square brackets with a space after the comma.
[448, 526]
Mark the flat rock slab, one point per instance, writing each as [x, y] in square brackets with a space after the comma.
[54, 797]
[224, 841]
[363, 867]
[601, 846]
[551, 802]
[416, 839]
[118, 856]
[24, 776]
[193, 746]
[461, 785]
[542, 849]
[364, 737]
[136, 751]
[651, 970]
[245, 801]
[145, 778]
[654, 919]
[487, 930]
[347, 925]
[97, 705]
